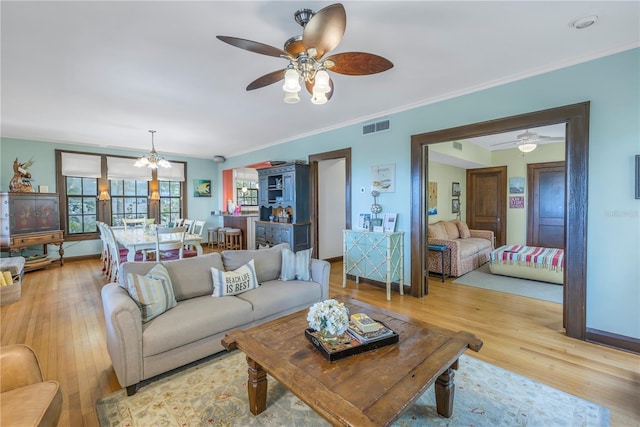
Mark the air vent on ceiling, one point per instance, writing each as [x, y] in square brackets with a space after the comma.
[457, 145]
[380, 126]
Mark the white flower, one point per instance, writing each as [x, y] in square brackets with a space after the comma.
[329, 315]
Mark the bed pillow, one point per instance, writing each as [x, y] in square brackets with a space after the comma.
[152, 292]
[234, 282]
[296, 265]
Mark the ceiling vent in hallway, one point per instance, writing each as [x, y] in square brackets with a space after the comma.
[457, 145]
[380, 126]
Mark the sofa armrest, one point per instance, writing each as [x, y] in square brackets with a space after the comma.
[123, 322]
[19, 367]
[484, 234]
[320, 271]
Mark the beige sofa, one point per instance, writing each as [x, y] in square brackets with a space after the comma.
[193, 329]
[469, 248]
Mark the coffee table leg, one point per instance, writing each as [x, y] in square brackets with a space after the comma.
[445, 391]
[257, 387]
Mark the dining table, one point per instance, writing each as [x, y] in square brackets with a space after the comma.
[137, 239]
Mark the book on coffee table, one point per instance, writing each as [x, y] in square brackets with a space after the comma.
[367, 337]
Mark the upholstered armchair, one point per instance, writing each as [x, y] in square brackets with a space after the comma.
[25, 398]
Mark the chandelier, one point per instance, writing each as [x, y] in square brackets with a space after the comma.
[153, 160]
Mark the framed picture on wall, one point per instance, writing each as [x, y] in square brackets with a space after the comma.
[389, 222]
[455, 205]
[455, 189]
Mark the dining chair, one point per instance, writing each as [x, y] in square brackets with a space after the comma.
[170, 249]
[179, 222]
[114, 254]
[133, 222]
[196, 228]
[104, 255]
[189, 224]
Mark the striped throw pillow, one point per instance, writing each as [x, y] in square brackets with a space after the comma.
[153, 292]
[296, 265]
[234, 282]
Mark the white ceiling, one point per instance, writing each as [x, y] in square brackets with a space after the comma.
[103, 73]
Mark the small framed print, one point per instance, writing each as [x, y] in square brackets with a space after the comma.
[389, 222]
[455, 205]
[374, 223]
[455, 189]
[364, 221]
[516, 202]
[516, 185]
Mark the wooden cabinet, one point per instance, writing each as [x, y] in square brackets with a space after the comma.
[375, 256]
[284, 206]
[31, 219]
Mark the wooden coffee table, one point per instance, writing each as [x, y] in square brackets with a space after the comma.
[369, 389]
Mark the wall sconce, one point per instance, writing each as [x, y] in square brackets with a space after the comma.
[104, 197]
[154, 196]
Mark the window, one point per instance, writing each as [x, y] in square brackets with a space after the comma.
[81, 177]
[170, 201]
[81, 201]
[247, 193]
[129, 199]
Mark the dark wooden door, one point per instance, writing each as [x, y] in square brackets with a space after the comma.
[546, 188]
[487, 201]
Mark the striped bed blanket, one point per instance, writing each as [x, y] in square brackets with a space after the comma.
[530, 256]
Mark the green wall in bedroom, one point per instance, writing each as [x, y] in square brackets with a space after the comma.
[611, 84]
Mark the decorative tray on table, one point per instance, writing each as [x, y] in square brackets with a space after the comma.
[351, 342]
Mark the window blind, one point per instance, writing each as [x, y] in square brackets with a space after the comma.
[121, 168]
[82, 165]
[174, 173]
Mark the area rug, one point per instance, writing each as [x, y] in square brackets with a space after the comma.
[214, 393]
[481, 277]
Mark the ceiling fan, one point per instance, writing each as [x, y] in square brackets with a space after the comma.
[528, 141]
[322, 33]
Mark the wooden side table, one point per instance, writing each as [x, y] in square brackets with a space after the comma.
[443, 250]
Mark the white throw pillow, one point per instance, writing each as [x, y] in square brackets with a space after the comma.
[234, 282]
[296, 265]
[153, 292]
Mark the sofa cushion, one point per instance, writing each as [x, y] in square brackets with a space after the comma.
[267, 261]
[463, 229]
[152, 292]
[436, 231]
[471, 246]
[192, 276]
[234, 282]
[296, 265]
[192, 320]
[451, 229]
[276, 296]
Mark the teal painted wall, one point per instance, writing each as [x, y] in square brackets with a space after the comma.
[44, 173]
[611, 84]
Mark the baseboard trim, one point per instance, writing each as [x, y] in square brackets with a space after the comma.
[610, 339]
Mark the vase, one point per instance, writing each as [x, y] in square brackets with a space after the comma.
[326, 335]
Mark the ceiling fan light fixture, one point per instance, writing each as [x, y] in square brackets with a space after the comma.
[322, 82]
[527, 148]
[291, 97]
[318, 98]
[291, 81]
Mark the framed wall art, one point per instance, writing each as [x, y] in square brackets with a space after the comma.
[383, 178]
[516, 185]
[433, 198]
[201, 188]
[455, 189]
[455, 205]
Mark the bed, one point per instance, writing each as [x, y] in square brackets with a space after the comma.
[529, 262]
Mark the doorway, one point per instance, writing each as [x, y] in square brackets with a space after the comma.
[315, 189]
[576, 118]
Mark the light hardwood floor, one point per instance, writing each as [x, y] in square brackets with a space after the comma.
[60, 316]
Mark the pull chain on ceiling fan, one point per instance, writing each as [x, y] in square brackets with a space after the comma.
[322, 33]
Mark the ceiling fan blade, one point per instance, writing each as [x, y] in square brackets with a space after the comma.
[251, 46]
[357, 63]
[505, 143]
[324, 31]
[267, 79]
[309, 86]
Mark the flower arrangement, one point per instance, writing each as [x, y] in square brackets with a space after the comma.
[329, 317]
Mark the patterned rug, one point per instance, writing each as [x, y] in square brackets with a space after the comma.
[214, 393]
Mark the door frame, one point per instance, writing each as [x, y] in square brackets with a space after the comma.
[576, 118]
[313, 190]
